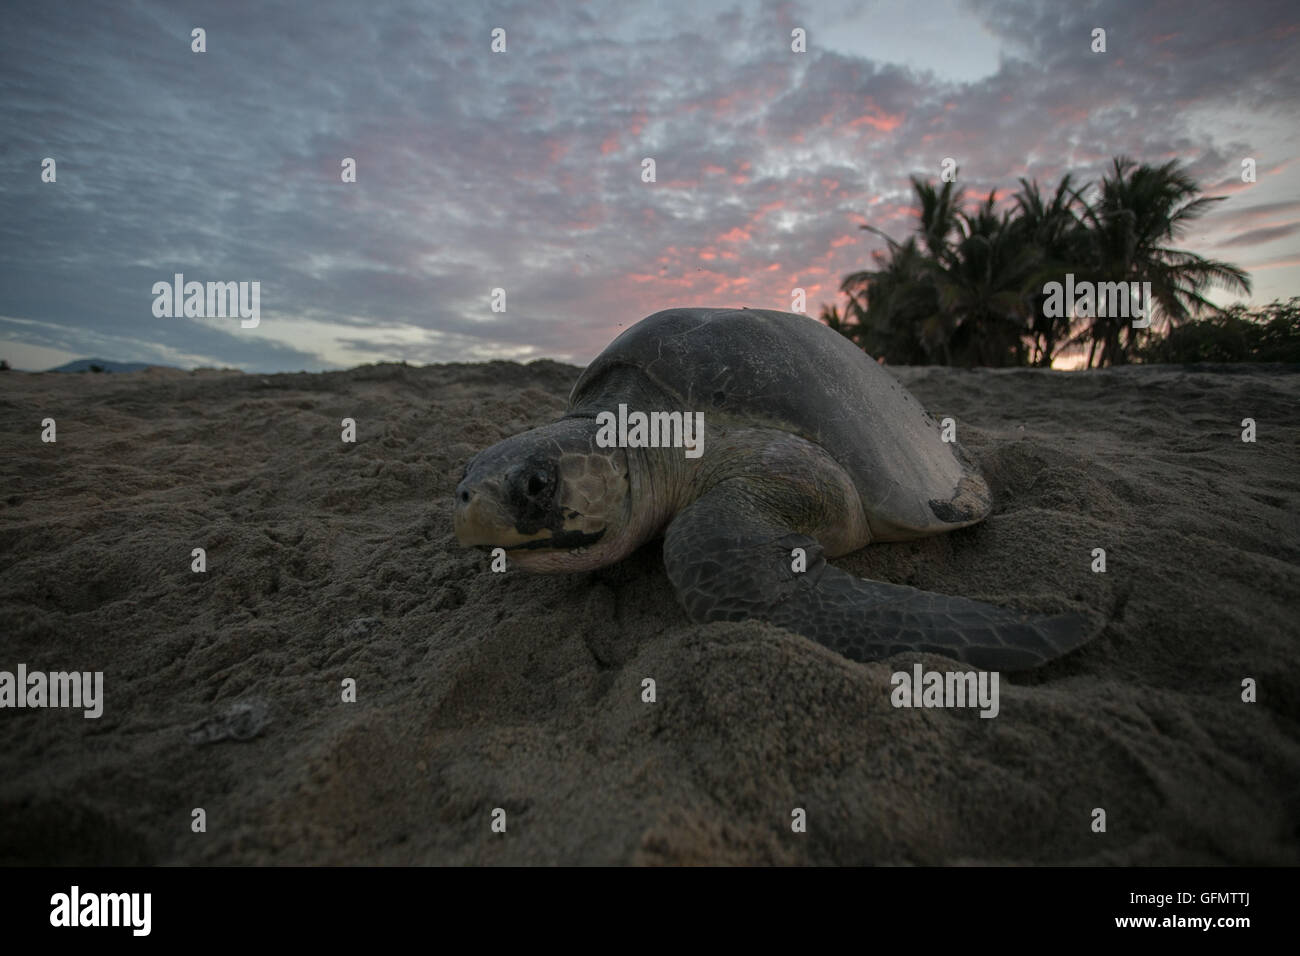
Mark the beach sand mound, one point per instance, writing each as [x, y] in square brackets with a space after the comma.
[477, 691]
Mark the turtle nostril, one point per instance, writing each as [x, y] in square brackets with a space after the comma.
[464, 496]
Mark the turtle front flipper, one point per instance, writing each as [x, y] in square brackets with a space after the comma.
[730, 557]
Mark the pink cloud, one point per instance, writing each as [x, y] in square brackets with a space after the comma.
[883, 122]
[556, 150]
[1072, 114]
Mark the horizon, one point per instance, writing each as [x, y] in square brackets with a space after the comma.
[522, 170]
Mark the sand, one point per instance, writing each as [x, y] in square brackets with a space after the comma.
[478, 691]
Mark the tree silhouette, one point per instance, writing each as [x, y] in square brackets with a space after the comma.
[1140, 209]
[967, 288]
[1054, 231]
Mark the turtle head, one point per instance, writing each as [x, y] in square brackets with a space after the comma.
[552, 498]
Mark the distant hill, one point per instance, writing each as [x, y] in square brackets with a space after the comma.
[103, 365]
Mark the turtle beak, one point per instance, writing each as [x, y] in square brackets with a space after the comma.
[480, 520]
[472, 525]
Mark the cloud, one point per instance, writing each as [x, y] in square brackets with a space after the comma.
[1259, 236]
[522, 170]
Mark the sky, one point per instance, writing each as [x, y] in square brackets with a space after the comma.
[522, 170]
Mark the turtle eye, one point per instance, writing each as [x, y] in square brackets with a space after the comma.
[536, 482]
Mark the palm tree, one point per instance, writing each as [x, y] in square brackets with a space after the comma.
[1139, 210]
[896, 306]
[839, 322]
[940, 214]
[953, 293]
[982, 281]
[1055, 230]
[968, 288]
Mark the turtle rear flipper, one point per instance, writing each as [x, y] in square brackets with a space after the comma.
[730, 558]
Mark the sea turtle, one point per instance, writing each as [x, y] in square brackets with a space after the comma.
[811, 450]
